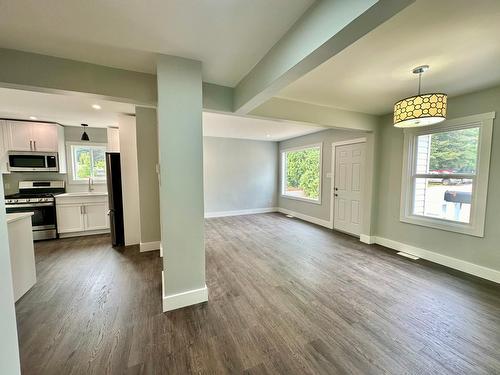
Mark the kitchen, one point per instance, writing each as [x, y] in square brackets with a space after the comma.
[55, 180]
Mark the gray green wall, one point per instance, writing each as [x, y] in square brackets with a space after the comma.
[147, 159]
[96, 135]
[482, 251]
[239, 174]
[327, 137]
[9, 349]
[180, 141]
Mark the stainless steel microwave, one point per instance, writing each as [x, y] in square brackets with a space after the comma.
[28, 161]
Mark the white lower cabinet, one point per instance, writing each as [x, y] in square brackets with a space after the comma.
[82, 215]
[96, 216]
[70, 218]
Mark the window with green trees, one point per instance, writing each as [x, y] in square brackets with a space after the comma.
[88, 161]
[445, 174]
[302, 173]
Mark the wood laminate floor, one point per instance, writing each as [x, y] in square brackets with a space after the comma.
[286, 297]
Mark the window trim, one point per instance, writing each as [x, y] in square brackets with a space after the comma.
[283, 172]
[69, 162]
[480, 181]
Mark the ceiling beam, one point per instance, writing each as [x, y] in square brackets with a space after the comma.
[323, 31]
[54, 75]
[35, 72]
[284, 109]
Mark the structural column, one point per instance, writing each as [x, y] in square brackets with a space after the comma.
[180, 141]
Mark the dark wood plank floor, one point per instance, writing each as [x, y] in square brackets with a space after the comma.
[286, 297]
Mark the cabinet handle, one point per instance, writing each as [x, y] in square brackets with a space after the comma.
[81, 210]
[31, 145]
[34, 145]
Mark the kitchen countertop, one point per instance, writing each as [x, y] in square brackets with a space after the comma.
[17, 216]
[82, 194]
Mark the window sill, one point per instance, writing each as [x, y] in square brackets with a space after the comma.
[318, 202]
[446, 225]
[86, 182]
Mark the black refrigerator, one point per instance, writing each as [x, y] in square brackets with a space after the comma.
[114, 180]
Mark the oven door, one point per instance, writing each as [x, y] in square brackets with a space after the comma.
[44, 214]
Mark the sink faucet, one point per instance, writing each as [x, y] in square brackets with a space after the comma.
[91, 184]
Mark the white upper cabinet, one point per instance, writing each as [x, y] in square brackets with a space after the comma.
[44, 137]
[113, 140]
[31, 136]
[19, 136]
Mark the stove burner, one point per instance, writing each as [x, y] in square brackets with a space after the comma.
[27, 196]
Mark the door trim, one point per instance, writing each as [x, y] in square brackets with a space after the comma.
[332, 173]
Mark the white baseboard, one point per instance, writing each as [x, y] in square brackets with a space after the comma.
[324, 223]
[367, 239]
[149, 246]
[85, 233]
[250, 211]
[179, 300]
[461, 265]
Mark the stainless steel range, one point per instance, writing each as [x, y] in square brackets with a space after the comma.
[37, 197]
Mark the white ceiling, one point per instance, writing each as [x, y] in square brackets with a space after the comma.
[232, 126]
[459, 39]
[228, 36]
[64, 109]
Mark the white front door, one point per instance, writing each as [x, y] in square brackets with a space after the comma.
[348, 187]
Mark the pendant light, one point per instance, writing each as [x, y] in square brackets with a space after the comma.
[421, 109]
[85, 136]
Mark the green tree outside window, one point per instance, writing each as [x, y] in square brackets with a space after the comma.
[89, 161]
[303, 172]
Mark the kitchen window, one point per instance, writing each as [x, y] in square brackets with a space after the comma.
[445, 174]
[301, 173]
[87, 161]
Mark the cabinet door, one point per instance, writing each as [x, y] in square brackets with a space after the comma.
[45, 137]
[96, 216]
[19, 136]
[3, 148]
[70, 218]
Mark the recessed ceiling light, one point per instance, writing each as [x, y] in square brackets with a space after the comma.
[268, 135]
[33, 118]
[96, 106]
